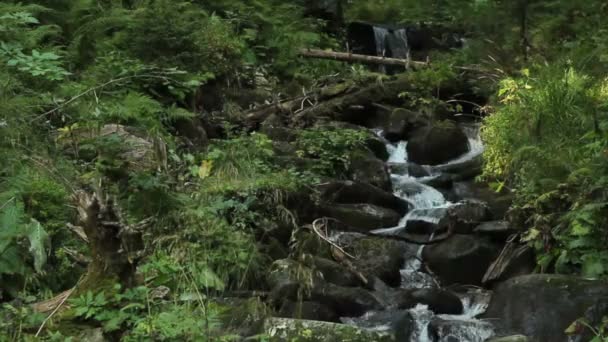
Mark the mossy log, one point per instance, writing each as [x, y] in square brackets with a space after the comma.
[357, 58]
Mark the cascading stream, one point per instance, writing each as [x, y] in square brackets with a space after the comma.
[428, 204]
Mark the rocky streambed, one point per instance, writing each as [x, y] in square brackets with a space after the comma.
[476, 285]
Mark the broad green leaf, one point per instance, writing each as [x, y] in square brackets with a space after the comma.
[11, 261]
[207, 278]
[531, 235]
[579, 229]
[39, 244]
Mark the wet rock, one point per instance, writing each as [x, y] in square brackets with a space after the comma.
[463, 171]
[401, 123]
[378, 146]
[443, 330]
[377, 257]
[443, 181]
[498, 203]
[410, 169]
[361, 216]
[438, 300]
[345, 301]
[286, 329]
[542, 306]
[409, 325]
[374, 171]
[436, 144]
[512, 338]
[421, 227]
[461, 217]
[307, 310]
[461, 259]
[349, 192]
[497, 230]
[334, 273]
[466, 215]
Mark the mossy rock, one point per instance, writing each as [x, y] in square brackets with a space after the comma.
[295, 330]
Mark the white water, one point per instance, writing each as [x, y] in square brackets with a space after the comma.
[428, 204]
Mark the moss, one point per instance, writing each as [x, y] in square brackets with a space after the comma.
[295, 330]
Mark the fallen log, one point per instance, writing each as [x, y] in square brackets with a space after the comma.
[356, 58]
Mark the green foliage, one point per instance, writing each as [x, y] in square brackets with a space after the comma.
[333, 149]
[548, 144]
[242, 164]
[17, 37]
[16, 319]
[15, 252]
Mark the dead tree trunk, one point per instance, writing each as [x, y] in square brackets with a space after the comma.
[356, 58]
[115, 246]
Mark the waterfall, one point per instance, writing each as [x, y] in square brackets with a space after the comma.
[402, 51]
[380, 34]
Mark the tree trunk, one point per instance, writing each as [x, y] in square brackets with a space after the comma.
[356, 58]
[115, 246]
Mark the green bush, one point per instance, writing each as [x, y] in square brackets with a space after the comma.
[548, 144]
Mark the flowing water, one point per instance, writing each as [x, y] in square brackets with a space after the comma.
[428, 204]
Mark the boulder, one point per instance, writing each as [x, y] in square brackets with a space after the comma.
[377, 257]
[410, 169]
[350, 192]
[514, 260]
[438, 300]
[92, 335]
[401, 123]
[307, 310]
[137, 150]
[442, 181]
[334, 273]
[445, 330]
[464, 216]
[361, 217]
[345, 301]
[283, 279]
[542, 306]
[367, 169]
[378, 146]
[287, 329]
[497, 230]
[463, 171]
[498, 203]
[461, 259]
[461, 217]
[437, 144]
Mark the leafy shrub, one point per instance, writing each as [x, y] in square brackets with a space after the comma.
[23, 246]
[548, 144]
[333, 149]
